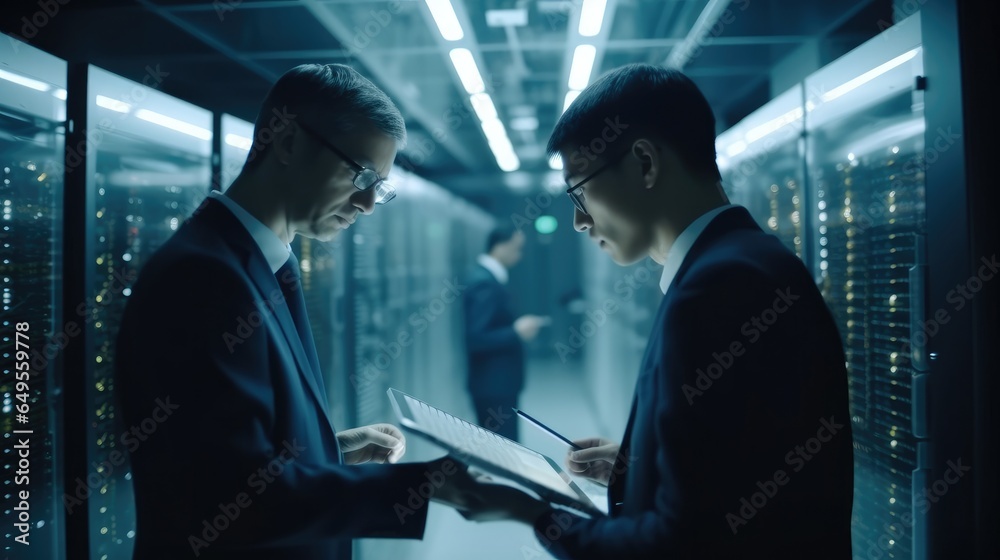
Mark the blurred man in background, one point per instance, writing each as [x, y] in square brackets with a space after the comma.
[494, 336]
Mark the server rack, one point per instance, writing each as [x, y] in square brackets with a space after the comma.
[407, 323]
[853, 132]
[32, 137]
[148, 168]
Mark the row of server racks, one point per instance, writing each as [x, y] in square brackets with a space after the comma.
[98, 171]
[837, 168]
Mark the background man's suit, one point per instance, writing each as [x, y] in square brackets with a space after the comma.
[208, 328]
[495, 352]
[703, 440]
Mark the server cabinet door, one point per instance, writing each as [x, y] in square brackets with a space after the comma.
[150, 170]
[32, 137]
[865, 147]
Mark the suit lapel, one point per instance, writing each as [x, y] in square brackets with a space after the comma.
[219, 218]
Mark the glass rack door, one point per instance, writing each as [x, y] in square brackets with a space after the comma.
[865, 148]
[32, 139]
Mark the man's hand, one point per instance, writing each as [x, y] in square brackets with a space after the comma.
[595, 461]
[378, 443]
[526, 326]
[477, 498]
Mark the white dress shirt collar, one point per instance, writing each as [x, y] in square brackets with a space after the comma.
[683, 244]
[498, 270]
[275, 252]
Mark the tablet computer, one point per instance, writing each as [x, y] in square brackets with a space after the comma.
[492, 453]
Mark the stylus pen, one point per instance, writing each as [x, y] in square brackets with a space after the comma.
[547, 429]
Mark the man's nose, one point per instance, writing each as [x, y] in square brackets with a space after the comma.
[364, 200]
[581, 221]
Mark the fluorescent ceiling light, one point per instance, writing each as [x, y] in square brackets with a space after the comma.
[23, 81]
[500, 145]
[482, 104]
[60, 94]
[591, 17]
[583, 63]
[174, 124]
[505, 156]
[524, 123]
[113, 104]
[555, 162]
[444, 16]
[494, 131]
[571, 96]
[237, 141]
[467, 70]
[868, 76]
[517, 17]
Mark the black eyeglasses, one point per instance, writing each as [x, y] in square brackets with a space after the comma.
[576, 191]
[364, 178]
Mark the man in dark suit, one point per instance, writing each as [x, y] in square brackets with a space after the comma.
[738, 444]
[248, 464]
[494, 338]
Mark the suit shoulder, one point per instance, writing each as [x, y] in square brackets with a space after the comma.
[477, 276]
[743, 257]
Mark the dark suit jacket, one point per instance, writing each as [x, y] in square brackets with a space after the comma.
[495, 352]
[247, 460]
[739, 442]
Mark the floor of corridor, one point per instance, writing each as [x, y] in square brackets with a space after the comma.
[552, 395]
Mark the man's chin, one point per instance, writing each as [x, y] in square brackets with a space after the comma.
[327, 234]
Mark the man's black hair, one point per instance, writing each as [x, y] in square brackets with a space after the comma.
[630, 102]
[500, 234]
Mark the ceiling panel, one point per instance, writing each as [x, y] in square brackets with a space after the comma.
[223, 54]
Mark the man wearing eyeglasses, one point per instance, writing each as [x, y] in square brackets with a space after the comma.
[215, 346]
[738, 444]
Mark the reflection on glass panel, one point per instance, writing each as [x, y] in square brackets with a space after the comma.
[151, 169]
[866, 146]
[237, 139]
[761, 165]
[32, 138]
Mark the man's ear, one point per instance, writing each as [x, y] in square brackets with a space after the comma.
[284, 143]
[650, 160]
